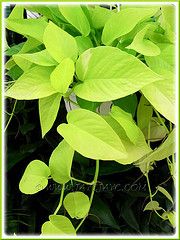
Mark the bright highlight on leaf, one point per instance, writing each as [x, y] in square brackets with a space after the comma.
[58, 225]
[35, 177]
[77, 204]
[60, 162]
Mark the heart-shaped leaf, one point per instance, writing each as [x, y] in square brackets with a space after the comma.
[77, 204]
[35, 177]
[153, 205]
[60, 162]
[58, 225]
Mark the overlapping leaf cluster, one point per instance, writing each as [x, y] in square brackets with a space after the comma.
[99, 55]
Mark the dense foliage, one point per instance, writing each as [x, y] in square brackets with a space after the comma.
[92, 150]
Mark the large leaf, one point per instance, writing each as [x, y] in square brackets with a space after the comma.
[40, 58]
[166, 149]
[115, 75]
[60, 162]
[143, 45]
[123, 22]
[62, 75]
[90, 135]
[58, 225]
[48, 109]
[76, 16]
[35, 177]
[28, 27]
[59, 43]
[77, 204]
[33, 84]
[17, 12]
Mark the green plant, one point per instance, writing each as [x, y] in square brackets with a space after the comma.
[87, 51]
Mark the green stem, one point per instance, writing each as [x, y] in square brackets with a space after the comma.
[160, 119]
[149, 187]
[11, 115]
[69, 100]
[149, 134]
[92, 192]
[61, 199]
[81, 181]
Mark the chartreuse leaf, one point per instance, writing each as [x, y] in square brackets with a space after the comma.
[165, 192]
[28, 27]
[48, 109]
[134, 151]
[143, 45]
[171, 216]
[166, 149]
[83, 43]
[163, 62]
[58, 225]
[60, 162]
[14, 49]
[161, 95]
[153, 205]
[40, 58]
[128, 103]
[30, 45]
[123, 22]
[17, 12]
[168, 21]
[127, 123]
[62, 75]
[99, 16]
[115, 75]
[35, 177]
[90, 135]
[59, 43]
[75, 16]
[33, 84]
[144, 113]
[77, 204]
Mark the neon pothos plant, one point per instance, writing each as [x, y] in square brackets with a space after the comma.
[99, 55]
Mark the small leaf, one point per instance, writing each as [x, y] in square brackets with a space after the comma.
[35, 177]
[40, 58]
[144, 113]
[29, 86]
[92, 106]
[60, 162]
[153, 205]
[115, 75]
[48, 109]
[62, 75]
[59, 43]
[99, 16]
[58, 225]
[171, 217]
[83, 43]
[163, 191]
[127, 123]
[77, 204]
[123, 22]
[90, 135]
[143, 45]
[76, 16]
[28, 27]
